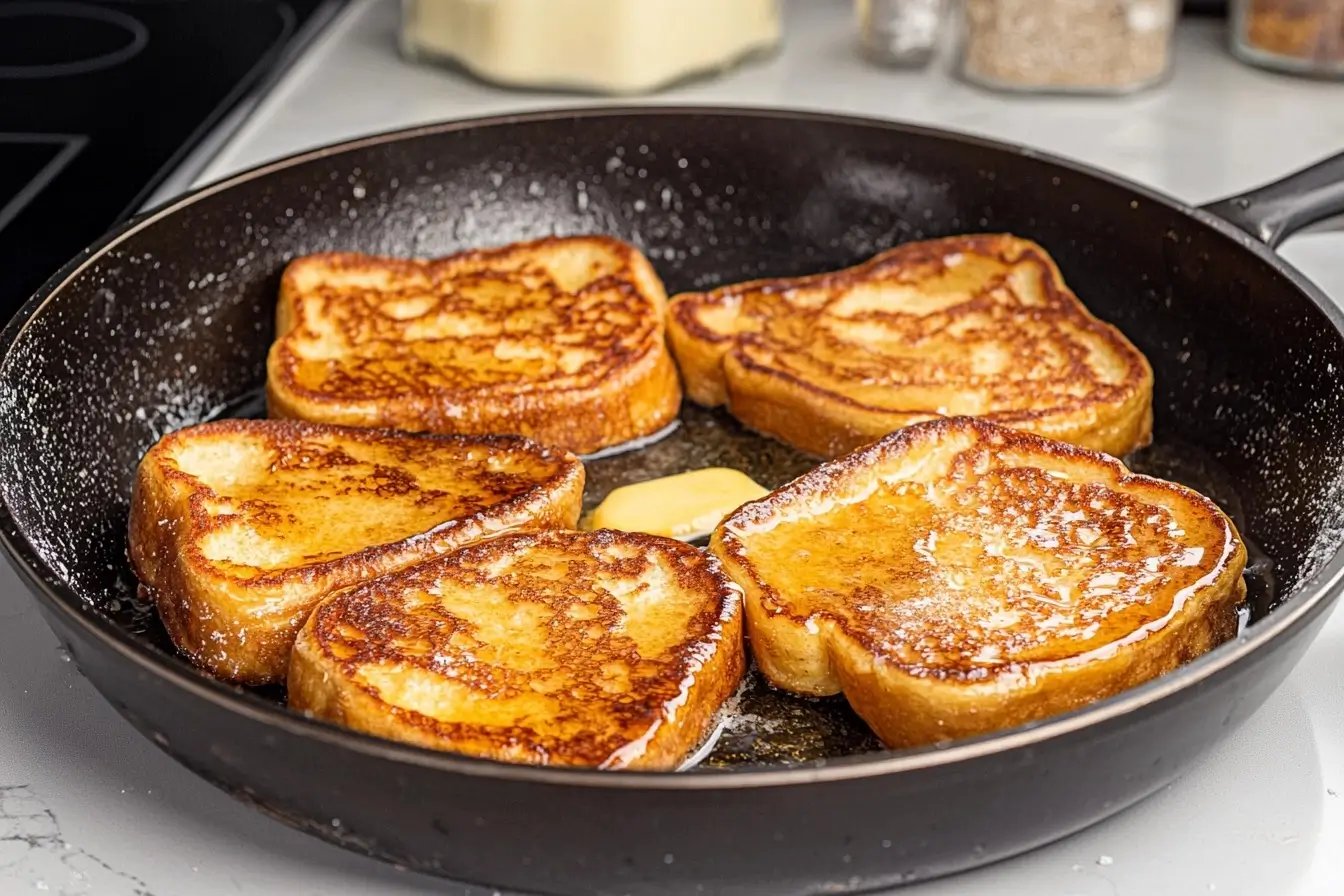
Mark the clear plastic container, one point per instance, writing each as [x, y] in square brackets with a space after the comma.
[602, 46]
[1300, 36]
[1072, 46]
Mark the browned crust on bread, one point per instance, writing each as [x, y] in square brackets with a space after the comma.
[626, 388]
[751, 371]
[616, 705]
[925, 681]
[240, 625]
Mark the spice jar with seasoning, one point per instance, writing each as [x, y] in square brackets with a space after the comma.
[1300, 36]
[1072, 46]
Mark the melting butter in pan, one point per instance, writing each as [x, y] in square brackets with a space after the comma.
[686, 506]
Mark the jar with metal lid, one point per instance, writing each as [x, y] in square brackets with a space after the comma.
[1300, 36]
[1073, 46]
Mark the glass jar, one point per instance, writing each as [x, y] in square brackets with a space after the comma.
[1072, 46]
[902, 33]
[601, 46]
[1300, 36]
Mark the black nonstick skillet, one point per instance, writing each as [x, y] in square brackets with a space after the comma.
[166, 322]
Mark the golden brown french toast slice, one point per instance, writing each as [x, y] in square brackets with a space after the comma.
[239, 527]
[973, 325]
[958, 577]
[604, 649]
[561, 340]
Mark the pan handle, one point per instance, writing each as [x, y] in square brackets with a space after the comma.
[1276, 211]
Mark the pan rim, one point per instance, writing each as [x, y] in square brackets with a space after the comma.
[1311, 598]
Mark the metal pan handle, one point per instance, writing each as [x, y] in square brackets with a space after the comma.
[1276, 211]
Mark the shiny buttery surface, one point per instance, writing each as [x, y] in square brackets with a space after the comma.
[541, 318]
[557, 339]
[961, 559]
[270, 504]
[978, 325]
[564, 648]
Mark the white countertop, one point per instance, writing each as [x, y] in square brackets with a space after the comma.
[87, 806]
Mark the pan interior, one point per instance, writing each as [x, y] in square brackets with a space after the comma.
[170, 324]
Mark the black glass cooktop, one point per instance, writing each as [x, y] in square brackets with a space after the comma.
[101, 101]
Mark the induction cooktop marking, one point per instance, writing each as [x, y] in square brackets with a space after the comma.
[136, 37]
[70, 145]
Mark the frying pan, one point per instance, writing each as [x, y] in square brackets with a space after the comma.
[166, 321]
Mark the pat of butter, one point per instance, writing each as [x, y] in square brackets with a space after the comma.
[616, 46]
[685, 506]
